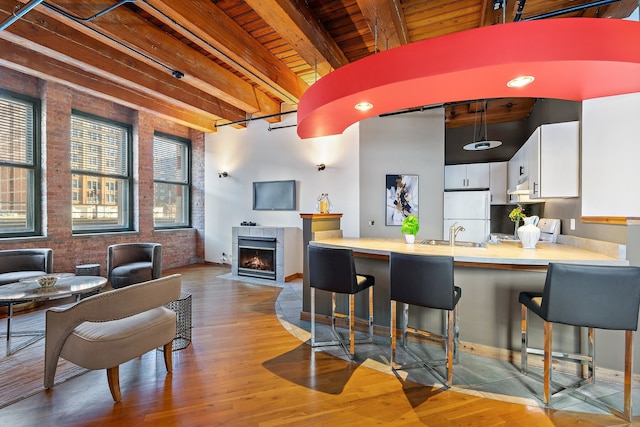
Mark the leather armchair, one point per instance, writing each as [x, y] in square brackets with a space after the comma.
[129, 263]
[16, 264]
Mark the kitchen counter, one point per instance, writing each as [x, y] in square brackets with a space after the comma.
[495, 254]
[491, 280]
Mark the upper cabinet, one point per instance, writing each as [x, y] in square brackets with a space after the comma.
[610, 152]
[553, 152]
[517, 172]
[498, 182]
[467, 177]
[547, 165]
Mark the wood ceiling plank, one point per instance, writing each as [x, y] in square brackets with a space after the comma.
[297, 26]
[385, 18]
[206, 25]
[129, 29]
[45, 35]
[36, 64]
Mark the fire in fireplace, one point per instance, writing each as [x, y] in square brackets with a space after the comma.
[256, 257]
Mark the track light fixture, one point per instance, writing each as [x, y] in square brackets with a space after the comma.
[177, 74]
[222, 174]
[321, 167]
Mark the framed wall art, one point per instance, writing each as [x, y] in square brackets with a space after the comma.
[401, 198]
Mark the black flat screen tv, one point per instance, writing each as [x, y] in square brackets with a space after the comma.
[274, 195]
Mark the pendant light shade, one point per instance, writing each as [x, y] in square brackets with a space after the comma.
[482, 142]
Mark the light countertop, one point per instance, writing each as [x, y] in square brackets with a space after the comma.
[510, 253]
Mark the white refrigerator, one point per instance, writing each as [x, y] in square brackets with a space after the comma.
[470, 209]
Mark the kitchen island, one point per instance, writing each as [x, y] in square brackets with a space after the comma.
[491, 279]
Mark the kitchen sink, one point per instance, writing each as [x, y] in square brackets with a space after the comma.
[456, 243]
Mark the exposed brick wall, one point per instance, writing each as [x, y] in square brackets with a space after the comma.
[179, 247]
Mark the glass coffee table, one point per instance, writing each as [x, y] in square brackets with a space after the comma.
[28, 290]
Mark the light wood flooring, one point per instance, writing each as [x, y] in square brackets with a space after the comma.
[244, 369]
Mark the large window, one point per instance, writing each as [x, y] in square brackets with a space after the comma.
[172, 182]
[101, 181]
[20, 210]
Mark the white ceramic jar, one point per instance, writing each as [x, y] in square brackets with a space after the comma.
[529, 233]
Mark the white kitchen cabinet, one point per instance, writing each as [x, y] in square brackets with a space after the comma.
[467, 176]
[610, 153]
[553, 157]
[516, 170]
[498, 182]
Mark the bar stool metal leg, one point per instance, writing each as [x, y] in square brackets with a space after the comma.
[524, 347]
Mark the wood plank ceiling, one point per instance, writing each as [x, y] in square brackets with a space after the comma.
[208, 63]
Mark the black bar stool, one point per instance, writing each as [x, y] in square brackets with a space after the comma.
[334, 270]
[595, 297]
[425, 281]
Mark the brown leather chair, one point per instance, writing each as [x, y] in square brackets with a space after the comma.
[590, 296]
[129, 263]
[16, 264]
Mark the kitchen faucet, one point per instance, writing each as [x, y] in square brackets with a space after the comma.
[453, 232]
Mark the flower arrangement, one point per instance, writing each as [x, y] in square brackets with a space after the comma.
[410, 225]
[517, 214]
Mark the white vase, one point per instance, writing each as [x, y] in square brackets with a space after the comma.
[410, 238]
[529, 233]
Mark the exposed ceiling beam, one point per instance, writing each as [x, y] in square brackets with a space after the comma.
[38, 65]
[385, 21]
[51, 38]
[293, 21]
[127, 31]
[212, 30]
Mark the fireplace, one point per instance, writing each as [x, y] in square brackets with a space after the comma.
[257, 257]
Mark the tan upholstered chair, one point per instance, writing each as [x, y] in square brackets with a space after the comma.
[110, 328]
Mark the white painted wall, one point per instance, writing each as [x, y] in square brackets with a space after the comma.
[257, 154]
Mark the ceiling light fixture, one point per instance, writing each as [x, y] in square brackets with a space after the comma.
[520, 81]
[321, 167]
[223, 174]
[482, 143]
[363, 106]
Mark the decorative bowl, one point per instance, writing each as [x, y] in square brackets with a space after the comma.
[47, 281]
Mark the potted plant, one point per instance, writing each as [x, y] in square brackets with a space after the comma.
[410, 227]
[516, 215]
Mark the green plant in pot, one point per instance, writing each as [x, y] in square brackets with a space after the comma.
[410, 227]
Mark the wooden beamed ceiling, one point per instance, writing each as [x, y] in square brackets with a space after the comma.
[205, 63]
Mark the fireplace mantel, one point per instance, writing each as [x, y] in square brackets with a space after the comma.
[288, 242]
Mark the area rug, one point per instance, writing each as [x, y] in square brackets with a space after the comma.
[23, 371]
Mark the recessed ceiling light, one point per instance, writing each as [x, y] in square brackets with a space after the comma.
[520, 81]
[364, 106]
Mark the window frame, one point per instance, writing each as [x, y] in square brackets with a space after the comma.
[129, 178]
[187, 186]
[36, 167]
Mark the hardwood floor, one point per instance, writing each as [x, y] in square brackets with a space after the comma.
[243, 368]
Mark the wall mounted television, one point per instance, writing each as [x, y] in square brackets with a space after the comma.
[274, 195]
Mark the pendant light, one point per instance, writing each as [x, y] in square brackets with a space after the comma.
[482, 142]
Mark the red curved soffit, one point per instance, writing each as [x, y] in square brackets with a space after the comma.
[570, 58]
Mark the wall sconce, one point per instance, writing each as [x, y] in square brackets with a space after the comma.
[321, 167]
[222, 174]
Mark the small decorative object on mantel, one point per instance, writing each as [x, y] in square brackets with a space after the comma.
[410, 227]
[516, 215]
[324, 204]
[529, 233]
